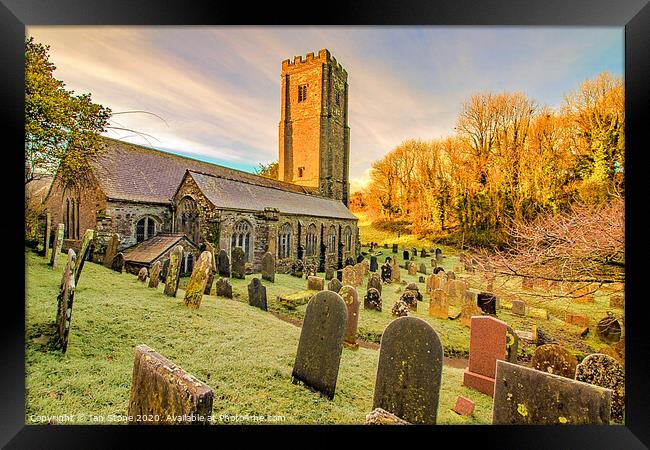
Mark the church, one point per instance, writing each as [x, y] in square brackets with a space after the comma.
[154, 200]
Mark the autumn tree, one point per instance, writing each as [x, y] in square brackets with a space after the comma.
[269, 170]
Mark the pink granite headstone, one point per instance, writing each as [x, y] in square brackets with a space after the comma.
[487, 344]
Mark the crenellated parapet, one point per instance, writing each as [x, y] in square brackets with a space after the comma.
[323, 57]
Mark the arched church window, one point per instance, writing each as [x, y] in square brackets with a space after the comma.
[71, 218]
[188, 218]
[331, 240]
[347, 234]
[284, 241]
[241, 237]
[311, 240]
[145, 228]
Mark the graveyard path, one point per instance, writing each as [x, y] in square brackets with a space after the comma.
[458, 363]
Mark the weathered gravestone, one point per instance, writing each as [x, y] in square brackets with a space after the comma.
[395, 248]
[468, 309]
[111, 250]
[439, 304]
[400, 309]
[223, 288]
[423, 268]
[118, 263]
[421, 279]
[372, 300]
[373, 263]
[406, 256]
[576, 319]
[223, 261]
[409, 371]
[487, 301]
[617, 301]
[524, 396]
[374, 282]
[348, 276]
[173, 275]
[257, 294]
[487, 344]
[395, 271]
[609, 329]
[213, 268]
[604, 371]
[412, 270]
[555, 359]
[238, 263]
[142, 274]
[268, 267]
[164, 270]
[380, 416]
[414, 287]
[518, 308]
[84, 254]
[386, 273]
[351, 299]
[334, 285]
[198, 280]
[163, 393]
[46, 235]
[423, 253]
[321, 343]
[65, 300]
[154, 275]
[57, 245]
[410, 298]
[329, 273]
[315, 283]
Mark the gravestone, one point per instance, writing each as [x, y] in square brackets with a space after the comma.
[414, 287]
[617, 301]
[394, 248]
[439, 304]
[395, 271]
[372, 300]
[57, 245]
[406, 256]
[400, 309]
[487, 301]
[257, 294]
[576, 319]
[373, 263]
[451, 275]
[268, 267]
[213, 268]
[524, 396]
[315, 283]
[386, 273]
[374, 282]
[555, 359]
[421, 279]
[238, 263]
[423, 253]
[321, 343]
[297, 268]
[423, 268]
[429, 285]
[604, 371]
[173, 276]
[609, 329]
[154, 275]
[223, 288]
[334, 285]
[65, 300]
[111, 250]
[409, 372]
[412, 270]
[468, 309]
[164, 270]
[46, 236]
[118, 263]
[339, 274]
[198, 280]
[84, 254]
[410, 297]
[518, 308]
[348, 276]
[163, 393]
[512, 345]
[351, 299]
[487, 344]
[142, 274]
[329, 273]
[224, 264]
[360, 258]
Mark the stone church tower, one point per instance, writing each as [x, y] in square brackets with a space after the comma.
[314, 131]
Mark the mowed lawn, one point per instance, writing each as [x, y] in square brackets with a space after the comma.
[246, 355]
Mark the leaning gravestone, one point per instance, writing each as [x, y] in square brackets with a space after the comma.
[46, 235]
[163, 393]
[409, 371]
[224, 264]
[604, 371]
[524, 396]
[65, 301]
[351, 299]
[487, 344]
[257, 294]
[321, 343]
[164, 270]
[142, 274]
[334, 285]
[173, 276]
[118, 263]
[268, 267]
[555, 359]
[213, 268]
[374, 282]
[84, 254]
[154, 275]
[111, 250]
[198, 280]
[373, 263]
[372, 300]
[223, 288]
[238, 263]
[57, 245]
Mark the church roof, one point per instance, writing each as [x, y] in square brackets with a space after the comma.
[240, 195]
[132, 172]
[147, 252]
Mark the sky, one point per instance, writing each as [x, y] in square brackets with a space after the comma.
[214, 92]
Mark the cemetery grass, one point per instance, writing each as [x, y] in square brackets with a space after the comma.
[246, 355]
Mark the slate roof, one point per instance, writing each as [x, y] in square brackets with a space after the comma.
[146, 252]
[226, 193]
[132, 172]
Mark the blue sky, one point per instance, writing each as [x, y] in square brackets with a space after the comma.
[218, 88]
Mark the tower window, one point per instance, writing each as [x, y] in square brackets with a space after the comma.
[301, 172]
[302, 92]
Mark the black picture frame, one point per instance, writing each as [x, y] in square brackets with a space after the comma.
[634, 15]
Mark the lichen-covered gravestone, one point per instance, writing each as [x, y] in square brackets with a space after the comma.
[238, 263]
[372, 300]
[224, 264]
[198, 279]
[334, 285]
[524, 396]
[57, 245]
[386, 273]
[223, 288]
[351, 299]
[410, 298]
[164, 270]
[111, 250]
[395, 271]
[487, 344]
[315, 283]
[173, 275]
[213, 268]
[400, 309]
[164, 394]
[374, 282]
[321, 343]
[154, 275]
[142, 274]
[268, 267]
[604, 371]
[65, 300]
[518, 308]
[257, 294]
[555, 359]
[84, 254]
[329, 273]
[118, 263]
[412, 270]
[348, 276]
[439, 304]
[512, 345]
[409, 371]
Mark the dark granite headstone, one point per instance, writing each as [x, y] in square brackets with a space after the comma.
[339, 275]
[173, 275]
[223, 262]
[268, 267]
[163, 393]
[238, 263]
[423, 253]
[437, 270]
[604, 371]
[223, 288]
[406, 256]
[334, 285]
[487, 301]
[421, 279]
[372, 300]
[257, 294]
[525, 396]
[360, 258]
[409, 371]
[199, 278]
[65, 300]
[395, 248]
[553, 358]
[154, 275]
[118, 263]
[321, 343]
[373, 263]
[351, 299]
